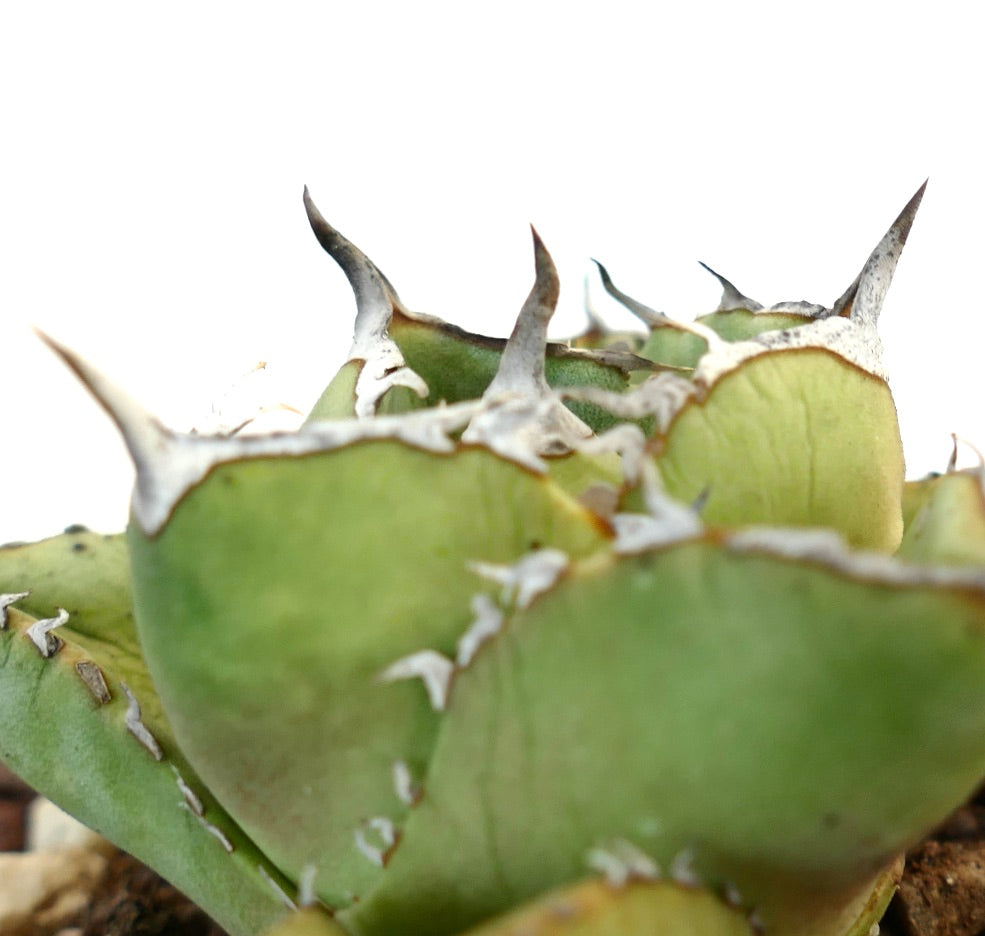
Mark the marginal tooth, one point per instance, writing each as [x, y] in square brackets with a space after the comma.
[654, 319]
[732, 299]
[803, 308]
[430, 429]
[432, 667]
[616, 874]
[829, 548]
[487, 623]
[510, 427]
[523, 581]
[661, 396]
[95, 682]
[862, 301]
[682, 869]
[732, 894]
[621, 861]
[384, 366]
[217, 833]
[659, 503]
[383, 370]
[641, 865]
[213, 830]
[188, 794]
[5, 602]
[408, 792]
[40, 633]
[385, 832]
[279, 891]
[136, 727]
[626, 440]
[306, 886]
[668, 520]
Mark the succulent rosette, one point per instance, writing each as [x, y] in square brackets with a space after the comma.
[523, 637]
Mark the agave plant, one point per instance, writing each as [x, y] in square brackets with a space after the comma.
[614, 636]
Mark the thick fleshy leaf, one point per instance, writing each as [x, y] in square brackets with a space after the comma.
[595, 908]
[458, 365]
[84, 727]
[669, 346]
[791, 905]
[279, 592]
[401, 360]
[758, 713]
[915, 495]
[806, 715]
[338, 398]
[948, 526]
[681, 345]
[307, 922]
[794, 425]
[740, 324]
[798, 437]
[87, 573]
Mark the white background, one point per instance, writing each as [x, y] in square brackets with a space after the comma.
[153, 158]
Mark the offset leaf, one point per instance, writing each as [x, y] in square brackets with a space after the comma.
[86, 573]
[70, 730]
[796, 906]
[594, 908]
[775, 716]
[308, 922]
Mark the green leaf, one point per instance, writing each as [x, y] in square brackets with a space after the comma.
[307, 922]
[458, 365]
[804, 716]
[593, 908]
[792, 437]
[669, 346]
[282, 588]
[948, 526]
[68, 728]
[86, 573]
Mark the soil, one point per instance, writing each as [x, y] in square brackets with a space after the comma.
[943, 888]
[130, 899]
[135, 901]
[942, 892]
